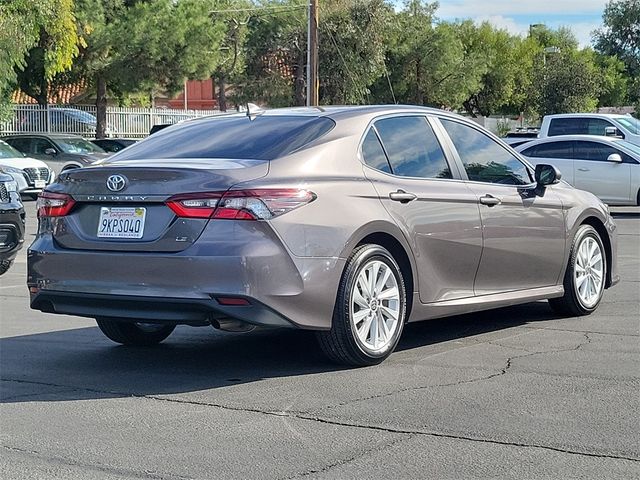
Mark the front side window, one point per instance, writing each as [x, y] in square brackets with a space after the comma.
[550, 150]
[484, 159]
[40, 145]
[412, 148]
[599, 152]
[597, 126]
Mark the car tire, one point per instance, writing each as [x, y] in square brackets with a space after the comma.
[585, 277]
[134, 334]
[368, 320]
[5, 265]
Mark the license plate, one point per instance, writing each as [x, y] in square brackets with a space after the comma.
[41, 183]
[121, 222]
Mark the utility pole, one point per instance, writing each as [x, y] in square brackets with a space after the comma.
[312, 55]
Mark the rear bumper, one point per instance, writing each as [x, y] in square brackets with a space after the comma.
[231, 258]
[170, 310]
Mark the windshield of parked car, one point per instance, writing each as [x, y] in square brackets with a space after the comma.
[80, 116]
[77, 145]
[239, 137]
[630, 146]
[631, 124]
[7, 151]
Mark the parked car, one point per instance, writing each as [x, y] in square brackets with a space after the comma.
[520, 136]
[607, 167]
[30, 175]
[604, 124]
[349, 221]
[12, 220]
[112, 145]
[60, 152]
[159, 126]
[60, 120]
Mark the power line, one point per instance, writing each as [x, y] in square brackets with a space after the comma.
[276, 9]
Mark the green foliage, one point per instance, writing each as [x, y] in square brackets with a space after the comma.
[568, 82]
[49, 26]
[352, 47]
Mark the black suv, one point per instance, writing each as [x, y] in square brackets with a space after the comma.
[11, 221]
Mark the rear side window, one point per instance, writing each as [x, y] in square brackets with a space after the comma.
[373, 154]
[237, 137]
[567, 126]
[484, 159]
[550, 150]
[21, 144]
[412, 148]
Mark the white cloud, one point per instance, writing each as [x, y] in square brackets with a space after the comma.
[473, 8]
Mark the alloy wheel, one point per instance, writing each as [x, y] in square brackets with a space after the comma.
[589, 272]
[375, 306]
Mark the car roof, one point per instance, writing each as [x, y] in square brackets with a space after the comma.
[47, 135]
[339, 112]
[590, 115]
[613, 141]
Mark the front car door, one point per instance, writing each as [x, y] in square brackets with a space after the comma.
[607, 180]
[424, 193]
[523, 234]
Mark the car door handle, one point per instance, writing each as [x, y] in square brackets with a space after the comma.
[583, 169]
[402, 196]
[489, 200]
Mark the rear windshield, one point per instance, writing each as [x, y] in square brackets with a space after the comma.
[238, 137]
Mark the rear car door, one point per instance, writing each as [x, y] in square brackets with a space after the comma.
[523, 234]
[428, 200]
[609, 181]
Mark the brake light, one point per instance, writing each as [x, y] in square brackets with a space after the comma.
[258, 204]
[194, 205]
[50, 204]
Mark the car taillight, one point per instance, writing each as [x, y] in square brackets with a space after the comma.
[258, 204]
[51, 204]
[194, 205]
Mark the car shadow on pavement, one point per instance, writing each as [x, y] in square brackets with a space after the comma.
[81, 364]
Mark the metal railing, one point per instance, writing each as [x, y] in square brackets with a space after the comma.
[81, 120]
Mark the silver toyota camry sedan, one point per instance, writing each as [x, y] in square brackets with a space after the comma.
[350, 221]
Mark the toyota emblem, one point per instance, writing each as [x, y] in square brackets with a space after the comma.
[115, 183]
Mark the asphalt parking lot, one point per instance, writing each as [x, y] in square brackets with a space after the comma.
[511, 393]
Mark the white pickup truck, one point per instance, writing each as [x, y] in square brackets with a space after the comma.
[609, 125]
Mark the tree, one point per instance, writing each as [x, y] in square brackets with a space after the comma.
[40, 30]
[431, 63]
[275, 52]
[352, 38]
[568, 82]
[145, 46]
[620, 37]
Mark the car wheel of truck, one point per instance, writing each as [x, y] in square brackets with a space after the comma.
[370, 310]
[134, 334]
[585, 277]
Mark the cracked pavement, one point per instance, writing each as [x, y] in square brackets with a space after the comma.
[511, 393]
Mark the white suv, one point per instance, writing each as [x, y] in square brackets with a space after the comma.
[609, 125]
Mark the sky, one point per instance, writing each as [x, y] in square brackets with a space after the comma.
[582, 16]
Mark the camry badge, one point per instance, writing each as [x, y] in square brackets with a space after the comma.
[116, 183]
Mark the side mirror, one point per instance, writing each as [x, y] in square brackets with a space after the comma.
[612, 132]
[547, 175]
[614, 157]
[50, 151]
